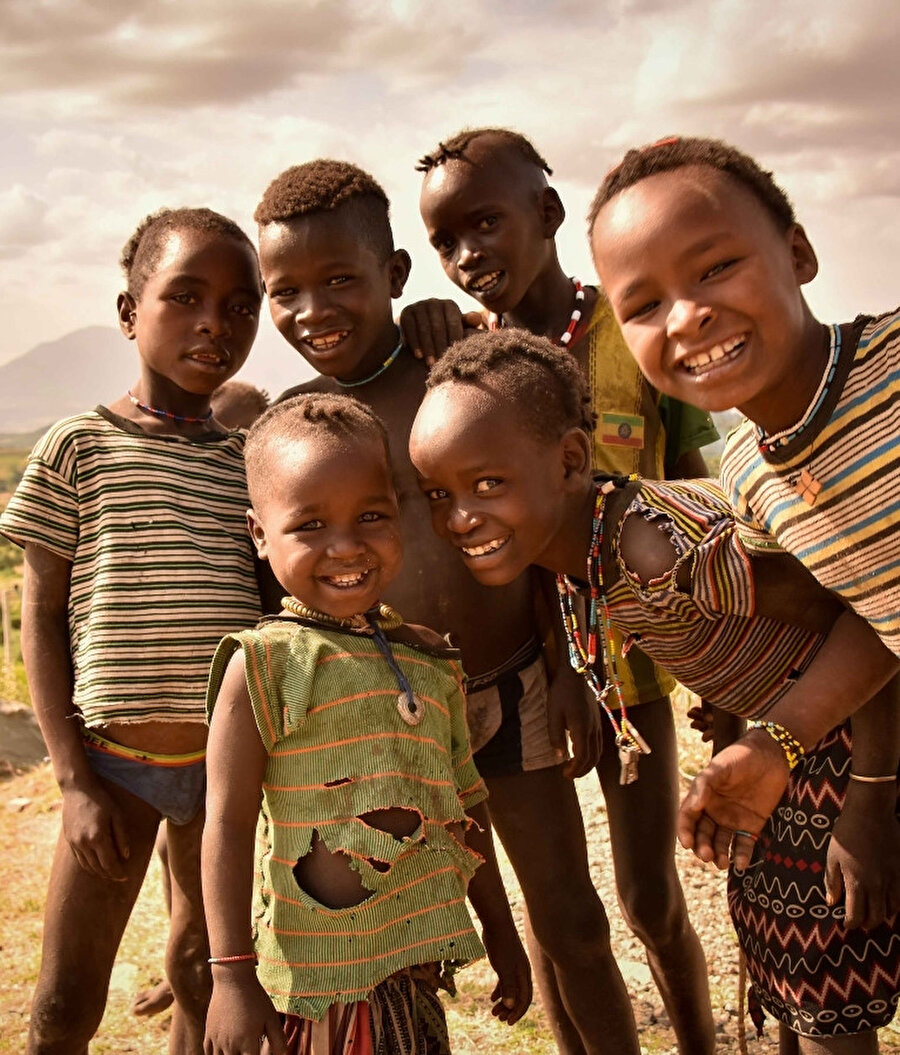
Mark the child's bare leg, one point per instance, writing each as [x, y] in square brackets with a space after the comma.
[567, 1038]
[788, 1040]
[157, 998]
[642, 831]
[188, 948]
[854, 1044]
[84, 921]
[538, 820]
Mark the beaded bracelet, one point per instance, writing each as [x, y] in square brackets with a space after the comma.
[793, 749]
[239, 958]
[890, 778]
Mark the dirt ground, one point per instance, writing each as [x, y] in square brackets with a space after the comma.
[29, 825]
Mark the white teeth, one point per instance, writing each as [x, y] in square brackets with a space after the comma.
[716, 353]
[485, 282]
[347, 580]
[326, 343]
[488, 547]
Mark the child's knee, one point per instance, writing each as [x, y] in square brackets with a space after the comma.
[64, 1018]
[571, 932]
[655, 914]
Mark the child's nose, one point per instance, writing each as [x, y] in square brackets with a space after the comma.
[345, 544]
[469, 254]
[310, 308]
[687, 317]
[462, 521]
[216, 322]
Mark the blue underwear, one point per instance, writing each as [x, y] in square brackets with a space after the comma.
[174, 785]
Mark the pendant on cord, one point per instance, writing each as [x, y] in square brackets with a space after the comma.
[631, 746]
[808, 487]
[411, 708]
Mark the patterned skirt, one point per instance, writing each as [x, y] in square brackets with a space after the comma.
[403, 1016]
[805, 968]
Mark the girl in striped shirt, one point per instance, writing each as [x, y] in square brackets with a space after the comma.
[340, 773]
[137, 560]
[509, 482]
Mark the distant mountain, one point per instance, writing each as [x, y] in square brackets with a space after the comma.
[97, 365]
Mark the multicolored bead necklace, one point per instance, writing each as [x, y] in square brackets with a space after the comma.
[495, 322]
[381, 369]
[582, 659]
[181, 418]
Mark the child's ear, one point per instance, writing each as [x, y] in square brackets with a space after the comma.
[399, 267]
[125, 309]
[806, 265]
[575, 447]
[552, 211]
[258, 534]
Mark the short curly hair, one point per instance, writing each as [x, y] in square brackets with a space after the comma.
[455, 147]
[300, 416]
[542, 382]
[141, 253]
[679, 151]
[324, 185]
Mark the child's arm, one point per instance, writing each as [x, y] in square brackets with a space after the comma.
[91, 821]
[864, 852]
[429, 327]
[504, 947]
[741, 786]
[240, 1012]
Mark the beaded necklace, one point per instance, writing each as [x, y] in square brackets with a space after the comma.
[381, 369]
[182, 418]
[378, 619]
[806, 485]
[583, 660]
[495, 322]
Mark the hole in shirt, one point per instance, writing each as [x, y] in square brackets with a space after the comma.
[329, 878]
[394, 820]
[338, 783]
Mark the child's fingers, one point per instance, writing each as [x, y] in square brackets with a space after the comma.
[472, 320]
[275, 1035]
[834, 880]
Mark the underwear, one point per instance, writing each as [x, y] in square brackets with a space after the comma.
[174, 785]
[506, 712]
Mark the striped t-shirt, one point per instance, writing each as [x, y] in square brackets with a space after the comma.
[708, 634]
[162, 566]
[849, 444]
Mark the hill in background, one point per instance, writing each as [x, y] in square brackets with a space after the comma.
[97, 365]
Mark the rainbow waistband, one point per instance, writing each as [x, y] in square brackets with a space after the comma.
[100, 743]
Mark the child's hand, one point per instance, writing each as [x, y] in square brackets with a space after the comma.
[570, 710]
[702, 721]
[863, 859]
[95, 830]
[512, 993]
[730, 800]
[429, 327]
[240, 1015]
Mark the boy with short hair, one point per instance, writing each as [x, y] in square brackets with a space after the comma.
[492, 217]
[331, 270]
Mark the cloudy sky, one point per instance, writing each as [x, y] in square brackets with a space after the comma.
[106, 116]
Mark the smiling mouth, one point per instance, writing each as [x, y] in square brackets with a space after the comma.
[327, 341]
[207, 358]
[486, 283]
[349, 581]
[704, 362]
[486, 548]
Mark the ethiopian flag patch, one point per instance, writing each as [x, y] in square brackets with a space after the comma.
[622, 430]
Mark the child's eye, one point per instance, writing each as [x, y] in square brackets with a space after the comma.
[184, 298]
[435, 494]
[443, 244]
[372, 516]
[640, 312]
[717, 269]
[338, 280]
[282, 294]
[486, 484]
[245, 309]
[486, 222]
[310, 525]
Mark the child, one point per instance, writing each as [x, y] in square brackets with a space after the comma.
[331, 271]
[236, 405]
[350, 724]
[137, 561]
[704, 263]
[492, 217]
[510, 484]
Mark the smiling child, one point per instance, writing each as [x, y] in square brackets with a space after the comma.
[351, 726]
